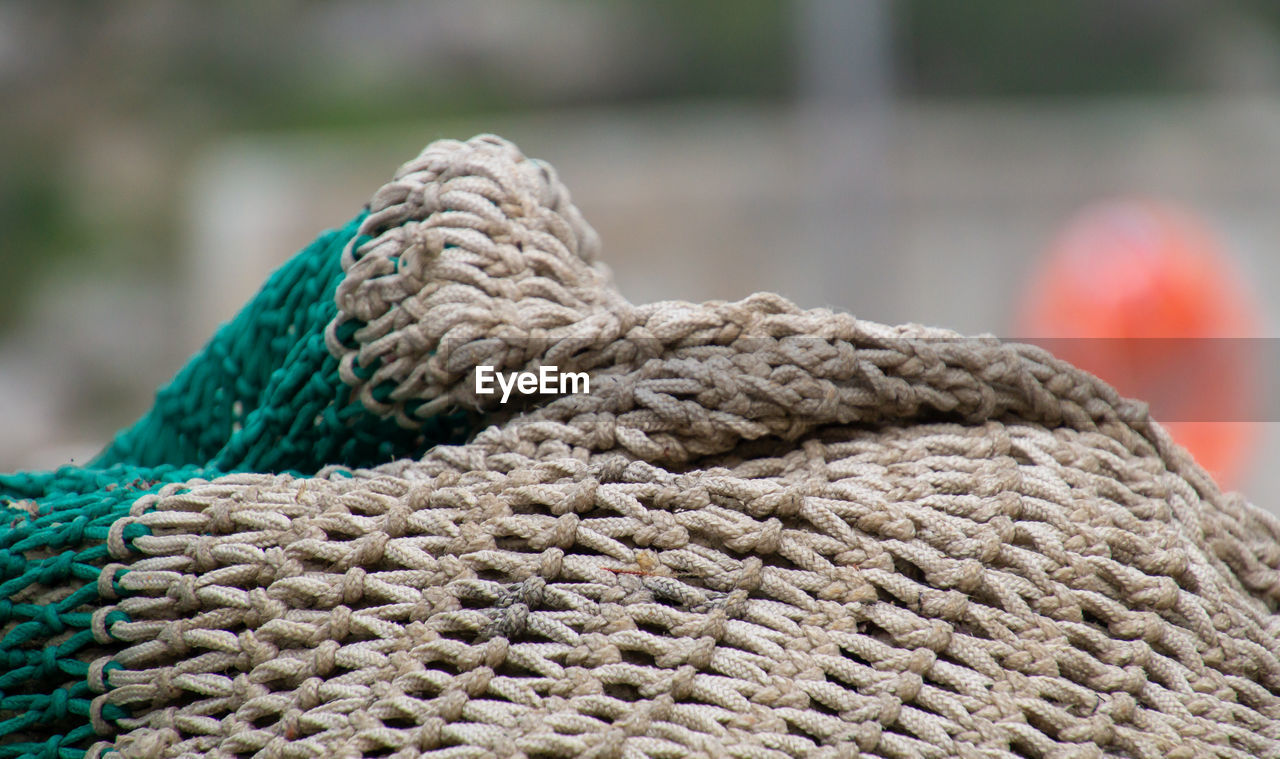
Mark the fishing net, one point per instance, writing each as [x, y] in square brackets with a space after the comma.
[264, 395]
[763, 531]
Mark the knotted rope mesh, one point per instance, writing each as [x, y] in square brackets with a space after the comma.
[263, 395]
[764, 532]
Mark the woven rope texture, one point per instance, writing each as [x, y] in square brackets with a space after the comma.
[764, 532]
[264, 395]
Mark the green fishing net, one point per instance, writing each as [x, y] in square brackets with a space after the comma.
[264, 396]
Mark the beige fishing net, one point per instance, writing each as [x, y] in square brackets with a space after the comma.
[763, 532]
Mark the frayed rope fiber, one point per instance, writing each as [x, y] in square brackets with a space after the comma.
[764, 532]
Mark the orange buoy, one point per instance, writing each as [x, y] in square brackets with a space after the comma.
[1141, 294]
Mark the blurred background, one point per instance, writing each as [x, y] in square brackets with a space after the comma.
[906, 160]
